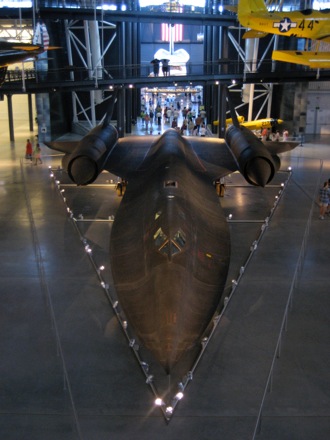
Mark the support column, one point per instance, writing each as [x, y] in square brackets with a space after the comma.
[121, 112]
[128, 106]
[220, 53]
[30, 112]
[251, 54]
[10, 117]
[95, 48]
[121, 92]
[223, 50]
[215, 49]
[211, 100]
[212, 109]
[207, 68]
[207, 49]
[43, 116]
[136, 49]
[222, 105]
[129, 55]
[96, 57]
[121, 47]
[300, 109]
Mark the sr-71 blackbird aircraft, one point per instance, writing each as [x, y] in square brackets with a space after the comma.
[170, 243]
[307, 23]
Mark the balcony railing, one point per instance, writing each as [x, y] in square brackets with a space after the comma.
[141, 75]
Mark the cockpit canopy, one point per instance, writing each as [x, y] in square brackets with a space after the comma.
[169, 246]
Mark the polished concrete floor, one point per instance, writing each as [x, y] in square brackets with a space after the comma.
[67, 370]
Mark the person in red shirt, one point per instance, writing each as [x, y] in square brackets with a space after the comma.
[28, 150]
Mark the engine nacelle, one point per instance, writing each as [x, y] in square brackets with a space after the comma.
[277, 162]
[254, 161]
[87, 161]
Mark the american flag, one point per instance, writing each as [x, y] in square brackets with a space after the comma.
[41, 35]
[177, 30]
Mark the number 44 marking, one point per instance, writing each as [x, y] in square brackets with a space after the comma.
[310, 25]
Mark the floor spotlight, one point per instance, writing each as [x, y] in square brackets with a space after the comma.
[169, 410]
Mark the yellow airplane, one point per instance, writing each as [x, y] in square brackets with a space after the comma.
[230, 121]
[315, 60]
[308, 23]
[254, 125]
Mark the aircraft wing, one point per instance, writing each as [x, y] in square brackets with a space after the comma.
[219, 159]
[15, 52]
[63, 146]
[124, 158]
[128, 154]
[276, 147]
[254, 34]
[315, 60]
[215, 155]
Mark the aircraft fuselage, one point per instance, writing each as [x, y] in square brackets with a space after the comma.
[170, 250]
[314, 25]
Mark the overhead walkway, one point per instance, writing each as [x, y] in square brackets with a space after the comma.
[225, 71]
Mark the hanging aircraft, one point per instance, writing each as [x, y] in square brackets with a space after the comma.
[307, 23]
[12, 52]
[258, 124]
[170, 241]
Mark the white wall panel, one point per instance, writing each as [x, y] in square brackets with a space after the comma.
[318, 112]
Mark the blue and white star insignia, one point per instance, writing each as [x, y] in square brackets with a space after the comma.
[284, 25]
